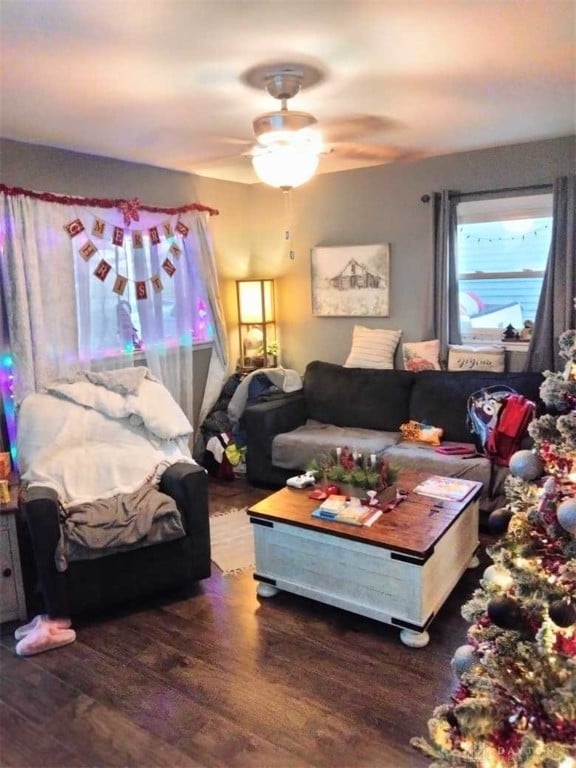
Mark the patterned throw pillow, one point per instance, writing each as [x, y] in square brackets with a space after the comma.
[463, 358]
[421, 355]
[372, 348]
[416, 432]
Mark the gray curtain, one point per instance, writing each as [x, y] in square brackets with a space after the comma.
[446, 305]
[555, 313]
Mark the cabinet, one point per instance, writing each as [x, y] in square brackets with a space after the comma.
[12, 601]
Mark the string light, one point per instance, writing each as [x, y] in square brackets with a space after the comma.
[504, 239]
[7, 395]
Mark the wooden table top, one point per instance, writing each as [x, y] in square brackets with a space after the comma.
[413, 527]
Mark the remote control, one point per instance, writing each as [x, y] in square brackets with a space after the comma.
[301, 481]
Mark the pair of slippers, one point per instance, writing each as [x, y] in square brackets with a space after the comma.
[43, 634]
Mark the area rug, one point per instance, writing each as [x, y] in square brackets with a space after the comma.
[232, 541]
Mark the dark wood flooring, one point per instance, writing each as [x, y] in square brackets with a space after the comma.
[225, 679]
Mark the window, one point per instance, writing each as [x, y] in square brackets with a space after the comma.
[502, 250]
[119, 323]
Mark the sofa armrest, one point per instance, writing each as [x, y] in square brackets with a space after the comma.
[262, 422]
[187, 484]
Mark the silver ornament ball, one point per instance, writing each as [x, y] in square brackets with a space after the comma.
[464, 657]
[498, 576]
[566, 514]
[526, 465]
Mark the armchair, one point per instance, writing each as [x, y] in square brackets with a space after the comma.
[87, 447]
[126, 576]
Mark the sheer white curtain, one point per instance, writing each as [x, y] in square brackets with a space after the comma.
[200, 239]
[62, 317]
[37, 271]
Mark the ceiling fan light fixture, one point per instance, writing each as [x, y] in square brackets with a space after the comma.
[286, 165]
[288, 148]
[284, 120]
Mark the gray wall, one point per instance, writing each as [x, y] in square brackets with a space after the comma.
[372, 205]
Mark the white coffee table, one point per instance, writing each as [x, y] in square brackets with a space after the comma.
[399, 571]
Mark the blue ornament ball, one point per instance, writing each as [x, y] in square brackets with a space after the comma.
[505, 612]
[464, 657]
[499, 519]
[526, 465]
[566, 514]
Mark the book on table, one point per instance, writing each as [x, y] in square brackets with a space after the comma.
[447, 488]
[338, 509]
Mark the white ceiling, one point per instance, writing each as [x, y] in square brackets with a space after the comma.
[160, 81]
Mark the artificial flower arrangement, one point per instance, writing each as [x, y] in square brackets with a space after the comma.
[369, 472]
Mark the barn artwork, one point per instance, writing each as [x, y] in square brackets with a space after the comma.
[351, 280]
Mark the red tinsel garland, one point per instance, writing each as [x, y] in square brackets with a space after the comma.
[96, 202]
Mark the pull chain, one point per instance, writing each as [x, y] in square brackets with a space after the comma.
[286, 191]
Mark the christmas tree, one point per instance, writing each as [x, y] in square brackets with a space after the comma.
[514, 705]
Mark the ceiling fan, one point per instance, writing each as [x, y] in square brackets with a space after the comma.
[289, 142]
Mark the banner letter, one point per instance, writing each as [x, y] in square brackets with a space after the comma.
[102, 270]
[120, 285]
[182, 228]
[74, 227]
[168, 267]
[118, 236]
[88, 250]
[98, 227]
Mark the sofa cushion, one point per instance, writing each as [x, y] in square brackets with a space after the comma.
[409, 456]
[466, 358]
[296, 449]
[421, 355]
[372, 348]
[441, 397]
[353, 397]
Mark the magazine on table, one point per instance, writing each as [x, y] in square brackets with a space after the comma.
[339, 509]
[447, 488]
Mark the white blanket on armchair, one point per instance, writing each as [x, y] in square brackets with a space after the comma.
[97, 435]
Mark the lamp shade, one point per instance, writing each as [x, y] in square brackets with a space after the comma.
[287, 163]
[256, 301]
[256, 323]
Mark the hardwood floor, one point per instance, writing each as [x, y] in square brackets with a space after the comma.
[225, 679]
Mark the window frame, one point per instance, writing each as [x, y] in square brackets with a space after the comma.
[484, 208]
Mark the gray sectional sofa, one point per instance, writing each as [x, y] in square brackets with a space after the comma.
[364, 409]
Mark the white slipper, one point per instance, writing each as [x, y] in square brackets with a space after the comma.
[42, 618]
[44, 639]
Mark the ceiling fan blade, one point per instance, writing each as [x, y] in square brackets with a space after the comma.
[231, 141]
[351, 127]
[384, 153]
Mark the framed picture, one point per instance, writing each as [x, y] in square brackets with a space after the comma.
[351, 280]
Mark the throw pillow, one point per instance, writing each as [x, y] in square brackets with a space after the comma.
[421, 355]
[463, 358]
[416, 432]
[372, 348]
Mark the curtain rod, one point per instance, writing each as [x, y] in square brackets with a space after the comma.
[427, 198]
[98, 202]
